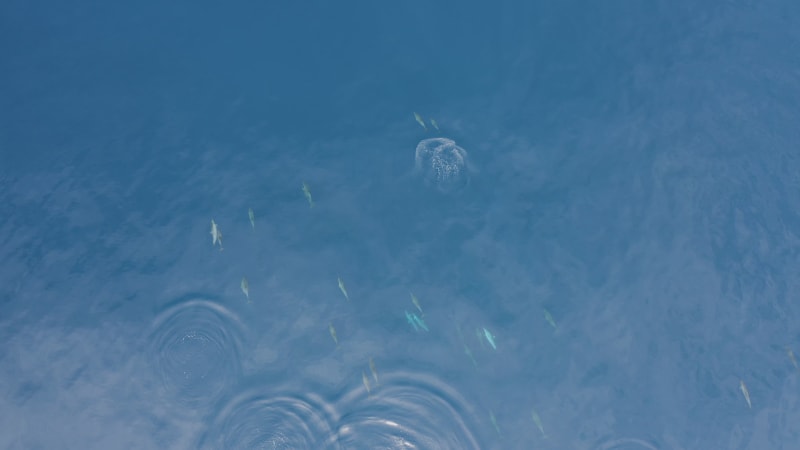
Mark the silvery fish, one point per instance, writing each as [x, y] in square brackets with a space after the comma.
[245, 288]
[421, 122]
[216, 235]
[489, 337]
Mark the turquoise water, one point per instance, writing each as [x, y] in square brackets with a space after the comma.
[610, 194]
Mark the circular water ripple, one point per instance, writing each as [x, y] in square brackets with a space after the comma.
[257, 420]
[407, 411]
[626, 444]
[196, 349]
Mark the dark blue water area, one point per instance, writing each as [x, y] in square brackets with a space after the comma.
[601, 232]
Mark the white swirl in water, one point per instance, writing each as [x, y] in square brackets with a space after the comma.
[407, 411]
[196, 345]
[258, 420]
[442, 163]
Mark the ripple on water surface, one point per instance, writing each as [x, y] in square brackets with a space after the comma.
[270, 417]
[196, 349]
[405, 411]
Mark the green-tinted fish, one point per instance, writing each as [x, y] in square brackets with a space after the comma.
[252, 217]
[307, 192]
[419, 322]
[341, 288]
[468, 352]
[538, 423]
[245, 288]
[792, 358]
[216, 235]
[494, 422]
[415, 300]
[333, 333]
[411, 321]
[373, 370]
[365, 380]
[746, 393]
[435, 125]
[490, 338]
[549, 318]
[420, 121]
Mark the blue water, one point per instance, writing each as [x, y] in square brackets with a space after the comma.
[629, 168]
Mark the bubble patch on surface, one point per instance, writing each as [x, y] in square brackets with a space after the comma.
[442, 163]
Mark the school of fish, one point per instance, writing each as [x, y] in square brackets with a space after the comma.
[416, 322]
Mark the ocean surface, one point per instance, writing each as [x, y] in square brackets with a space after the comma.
[475, 225]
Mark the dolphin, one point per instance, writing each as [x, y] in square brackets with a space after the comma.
[490, 338]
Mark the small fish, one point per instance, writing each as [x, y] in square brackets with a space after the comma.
[468, 352]
[792, 358]
[365, 380]
[415, 300]
[746, 393]
[420, 322]
[490, 338]
[245, 288]
[494, 422]
[411, 321]
[333, 333]
[252, 217]
[307, 192]
[341, 288]
[420, 121]
[538, 423]
[479, 333]
[434, 124]
[549, 318]
[216, 235]
[373, 370]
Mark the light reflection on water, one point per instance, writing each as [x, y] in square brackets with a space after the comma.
[269, 416]
[407, 410]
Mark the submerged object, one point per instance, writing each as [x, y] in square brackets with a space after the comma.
[490, 338]
[494, 422]
[538, 421]
[421, 122]
[792, 358]
[307, 193]
[746, 393]
[373, 370]
[245, 288]
[420, 322]
[415, 301]
[549, 318]
[411, 321]
[333, 333]
[216, 235]
[365, 380]
[342, 288]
